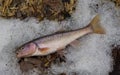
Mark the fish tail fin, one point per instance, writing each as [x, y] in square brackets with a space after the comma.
[96, 26]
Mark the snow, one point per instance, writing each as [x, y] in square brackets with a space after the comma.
[92, 57]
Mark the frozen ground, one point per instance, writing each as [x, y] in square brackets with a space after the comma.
[93, 57]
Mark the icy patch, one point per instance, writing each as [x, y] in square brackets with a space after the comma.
[93, 57]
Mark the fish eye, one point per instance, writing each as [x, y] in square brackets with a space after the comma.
[22, 48]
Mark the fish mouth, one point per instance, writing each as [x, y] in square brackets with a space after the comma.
[18, 56]
[18, 53]
[21, 55]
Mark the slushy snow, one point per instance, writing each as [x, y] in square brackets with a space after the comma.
[92, 57]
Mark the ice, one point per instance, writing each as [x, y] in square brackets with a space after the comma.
[92, 57]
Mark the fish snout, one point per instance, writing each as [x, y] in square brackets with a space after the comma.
[23, 53]
[20, 54]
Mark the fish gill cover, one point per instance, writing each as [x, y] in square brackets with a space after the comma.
[92, 57]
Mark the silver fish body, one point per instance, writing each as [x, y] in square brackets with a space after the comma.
[51, 44]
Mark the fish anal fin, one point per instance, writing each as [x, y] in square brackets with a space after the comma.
[75, 43]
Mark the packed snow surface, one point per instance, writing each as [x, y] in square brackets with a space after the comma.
[92, 57]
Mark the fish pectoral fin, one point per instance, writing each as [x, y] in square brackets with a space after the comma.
[43, 50]
[75, 43]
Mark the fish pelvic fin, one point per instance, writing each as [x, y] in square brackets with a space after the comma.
[96, 26]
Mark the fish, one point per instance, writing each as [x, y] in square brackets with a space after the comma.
[57, 42]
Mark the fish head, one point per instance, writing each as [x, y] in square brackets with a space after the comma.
[26, 50]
